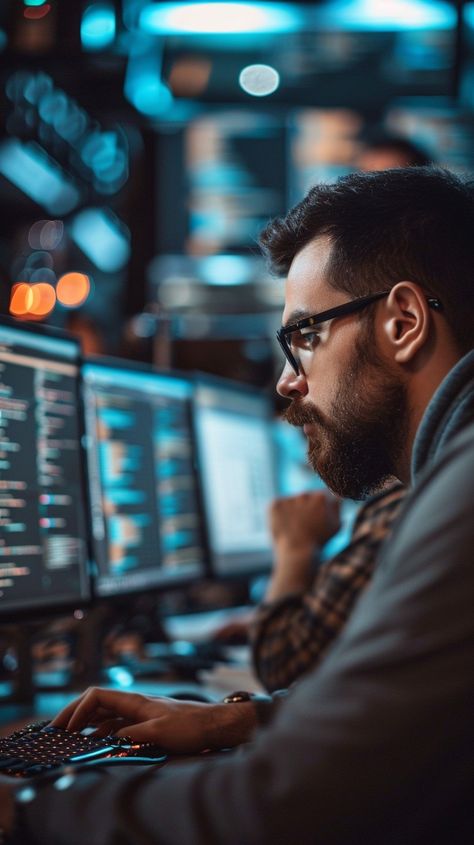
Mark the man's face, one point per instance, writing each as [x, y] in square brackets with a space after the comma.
[352, 405]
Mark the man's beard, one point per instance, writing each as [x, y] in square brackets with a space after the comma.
[357, 448]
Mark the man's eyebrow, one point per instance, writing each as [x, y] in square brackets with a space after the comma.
[296, 316]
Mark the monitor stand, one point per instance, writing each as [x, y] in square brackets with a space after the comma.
[17, 686]
[88, 664]
[92, 659]
[83, 638]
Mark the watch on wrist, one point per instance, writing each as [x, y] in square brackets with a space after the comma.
[243, 695]
[264, 704]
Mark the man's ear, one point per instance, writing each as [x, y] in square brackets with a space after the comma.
[407, 321]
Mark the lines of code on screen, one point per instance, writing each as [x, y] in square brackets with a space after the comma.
[43, 554]
[146, 520]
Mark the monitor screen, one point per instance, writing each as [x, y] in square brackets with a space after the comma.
[236, 458]
[144, 496]
[43, 539]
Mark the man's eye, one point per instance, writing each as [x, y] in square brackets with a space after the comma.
[307, 338]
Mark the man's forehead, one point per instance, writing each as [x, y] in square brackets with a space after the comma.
[306, 288]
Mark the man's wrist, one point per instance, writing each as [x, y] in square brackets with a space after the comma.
[265, 705]
[285, 582]
[298, 556]
[231, 726]
[294, 567]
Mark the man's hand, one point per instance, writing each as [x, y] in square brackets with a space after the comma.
[306, 520]
[300, 525]
[177, 726]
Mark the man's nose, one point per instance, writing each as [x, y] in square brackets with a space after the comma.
[290, 384]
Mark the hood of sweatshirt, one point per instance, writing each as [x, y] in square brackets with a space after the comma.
[449, 411]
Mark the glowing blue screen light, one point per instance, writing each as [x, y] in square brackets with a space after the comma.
[64, 782]
[98, 26]
[259, 80]
[219, 18]
[37, 176]
[120, 676]
[150, 95]
[102, 238]
[144, 87]
[3, 39]
[225, 270]
[387, 15]
[469, 14]
[107, 159]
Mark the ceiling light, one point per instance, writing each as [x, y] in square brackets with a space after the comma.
[219, 18]
[389, 15]
[259, 80]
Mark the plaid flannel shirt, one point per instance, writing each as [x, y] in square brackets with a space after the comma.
[290, 635]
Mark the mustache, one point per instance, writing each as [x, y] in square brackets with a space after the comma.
[297, 414]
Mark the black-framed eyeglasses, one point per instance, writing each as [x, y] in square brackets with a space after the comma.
[300, 337]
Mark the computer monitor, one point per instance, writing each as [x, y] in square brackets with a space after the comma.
[236, 459]
[294, 472]
[144, 497]
[43, 538]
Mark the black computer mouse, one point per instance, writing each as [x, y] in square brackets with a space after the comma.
[191, 695]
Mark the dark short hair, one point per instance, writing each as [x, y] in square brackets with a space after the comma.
[414, 223]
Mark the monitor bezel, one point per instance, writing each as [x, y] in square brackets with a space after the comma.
[162, 585]
[38, 613]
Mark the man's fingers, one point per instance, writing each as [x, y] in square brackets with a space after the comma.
[141, 732]
[97, 700]
[62, 718]
[109, 727]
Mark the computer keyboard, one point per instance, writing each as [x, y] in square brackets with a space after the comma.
[40, 748]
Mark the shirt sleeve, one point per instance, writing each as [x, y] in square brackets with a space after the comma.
[290, 636]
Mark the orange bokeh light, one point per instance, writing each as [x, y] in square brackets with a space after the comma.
[21, 299]
[35, 14]
[43, 299]
[32, 301]
[73, 289]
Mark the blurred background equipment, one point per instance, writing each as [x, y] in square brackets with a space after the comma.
[143, 146]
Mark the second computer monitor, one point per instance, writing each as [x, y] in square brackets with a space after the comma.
[233, 425]
[144, 501]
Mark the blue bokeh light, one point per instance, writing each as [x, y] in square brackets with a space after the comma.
[219, 18]
[98, 26]
[150, 95]
[28, 167]
[102, 237]
[389, 15]
[225, 270]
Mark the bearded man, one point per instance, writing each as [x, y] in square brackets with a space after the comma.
[376, 745]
